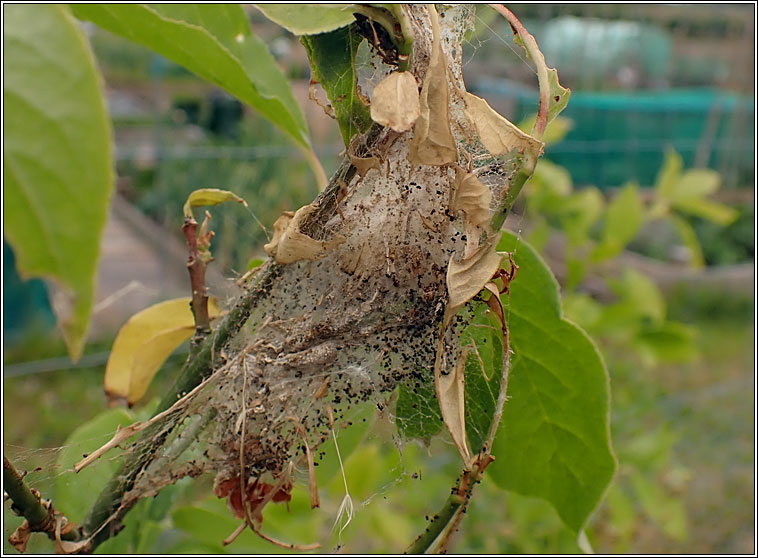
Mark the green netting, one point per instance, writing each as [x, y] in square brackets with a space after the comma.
[621, 136]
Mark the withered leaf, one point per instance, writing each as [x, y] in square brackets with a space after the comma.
[395, 102]
[465, 278]
[433, 142]
[67, 547]
[290, 245]
[364, 164]
[472, 197]
[20, 537]
[498, 134]
[451, 397]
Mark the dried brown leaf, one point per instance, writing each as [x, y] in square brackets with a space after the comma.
[395, 102]
[364, 164]
[498, 135]
[290, 245]
[67, 547]
[472, 197]
[451, 397]
[433, 142]
[20, 537]
[465, 278]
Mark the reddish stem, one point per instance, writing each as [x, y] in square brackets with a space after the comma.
[196, 267]
[530, 45]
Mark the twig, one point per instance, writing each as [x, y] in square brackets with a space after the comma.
[312, 482]
[197, 261]
[438, 522]
[123, 434]
[447, 519]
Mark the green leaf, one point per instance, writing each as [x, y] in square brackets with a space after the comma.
[417, 412]
[697, 183]
[75, 493]
[309, 19]
[668, 176]
[548, 187]
[559, 95]
[57, 166]
[149, 534]
[579, 212]
[689, 237]
[718, 213]
[670, 342]
[254, 262]
[484, 371]
[134, 524]
[540, 233]
[332, 58]
[623, 220]
[554, 439]
[640, 295]
[214, 42]
[582, 309]
[210, 522]
[623, 515]
[576, 269]
[665, 510]
[349, 431]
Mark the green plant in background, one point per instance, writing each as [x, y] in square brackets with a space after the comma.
[595, 232]
[629, 320]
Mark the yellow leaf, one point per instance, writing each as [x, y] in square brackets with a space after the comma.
[498, 134]
[395, 102]
[451, 397]
[145, 342]
[433, 142]
[209, 196]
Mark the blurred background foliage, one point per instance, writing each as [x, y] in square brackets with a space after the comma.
[667, 101]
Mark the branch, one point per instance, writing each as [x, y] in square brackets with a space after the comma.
[106, 514]
[40, 515]
[107, 510]
[444, 524]
[448, 518]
